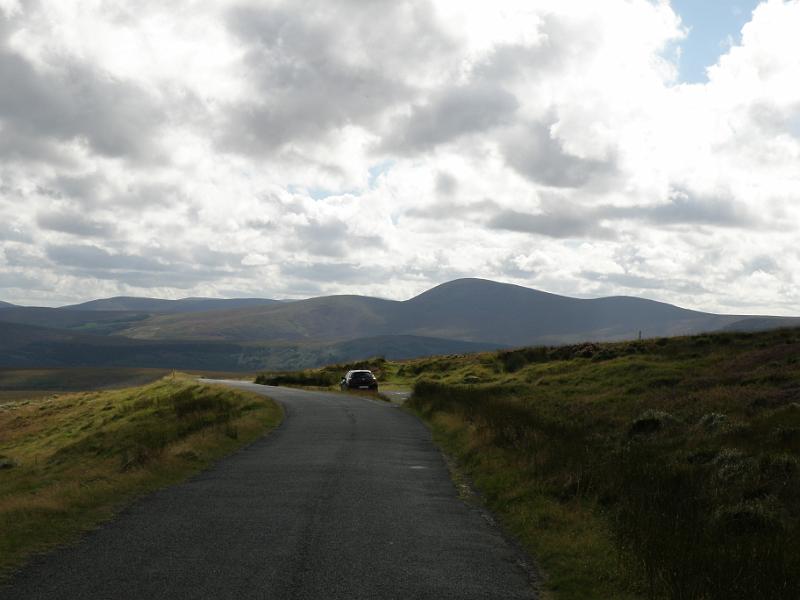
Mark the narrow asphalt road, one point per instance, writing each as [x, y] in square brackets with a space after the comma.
[349, 498]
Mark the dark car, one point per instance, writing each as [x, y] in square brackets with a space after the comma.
[359, 380]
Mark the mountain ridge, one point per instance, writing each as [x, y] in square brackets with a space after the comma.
[464, 315]
[146, 304]
[469, 309]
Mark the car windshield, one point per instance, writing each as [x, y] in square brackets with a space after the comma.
[362, 375]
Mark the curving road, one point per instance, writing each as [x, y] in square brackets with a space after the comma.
[349, 498]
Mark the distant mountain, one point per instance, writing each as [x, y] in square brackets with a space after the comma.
[477, 309]
[6, 304]
[158, 305]
[111, 315]
[473, 310]
[466, 315]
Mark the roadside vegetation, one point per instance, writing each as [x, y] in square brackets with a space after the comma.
[71, 461]
[324, 377]
[666, 468]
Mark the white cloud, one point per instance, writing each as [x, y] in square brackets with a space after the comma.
[285, 148]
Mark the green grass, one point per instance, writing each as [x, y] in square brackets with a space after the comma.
[77, 459]
[34, 383]
[668, 468]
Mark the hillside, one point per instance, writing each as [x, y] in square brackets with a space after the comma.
[330, 318]
[466, 309]
[88, 321]
[112, 315]
[25, 346]
[157, 305]
[5, 304]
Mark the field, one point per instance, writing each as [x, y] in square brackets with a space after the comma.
[71, 461]
[668, 468]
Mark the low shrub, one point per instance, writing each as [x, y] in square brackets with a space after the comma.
[651, 421]
[691, 520]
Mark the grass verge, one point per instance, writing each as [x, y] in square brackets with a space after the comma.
[71, 462]
[662, 469]
[571, 545]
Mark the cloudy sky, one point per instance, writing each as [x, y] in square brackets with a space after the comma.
[306, 147]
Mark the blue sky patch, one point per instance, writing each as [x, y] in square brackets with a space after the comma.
[379, 169]
[713, 26]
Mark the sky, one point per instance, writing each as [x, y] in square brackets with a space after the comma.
[297, 148]
[712, 28]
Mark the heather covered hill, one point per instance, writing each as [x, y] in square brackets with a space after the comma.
[466, 309]
[25, 346]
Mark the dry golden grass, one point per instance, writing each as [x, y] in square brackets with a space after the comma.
[77, 458]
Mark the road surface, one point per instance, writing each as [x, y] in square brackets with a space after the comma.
[348, 498]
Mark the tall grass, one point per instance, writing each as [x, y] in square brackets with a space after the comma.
[681, 458]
